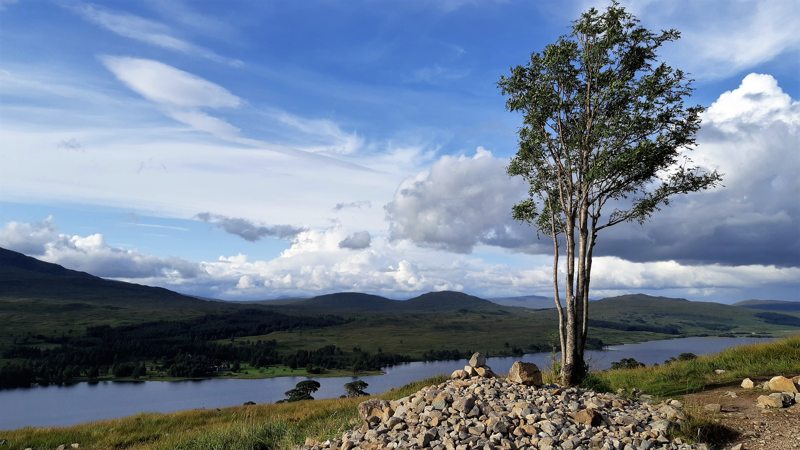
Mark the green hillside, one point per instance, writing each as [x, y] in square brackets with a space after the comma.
[54, 316]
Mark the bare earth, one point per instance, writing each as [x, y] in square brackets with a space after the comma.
[759, 429]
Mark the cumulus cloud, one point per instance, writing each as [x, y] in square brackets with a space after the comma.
[91, 253]
[356, 241]
[248, 230]
[28, 238]
[460, 202]
[145, 30]
[751, 135]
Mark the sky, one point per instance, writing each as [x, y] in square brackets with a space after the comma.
[267, 149]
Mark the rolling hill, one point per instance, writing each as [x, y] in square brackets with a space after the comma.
[770, 305]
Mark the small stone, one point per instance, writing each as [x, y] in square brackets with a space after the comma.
[75, 445]
[374, 408]
[484, 372]
[588, 417]
[782, 384]
[737, 447]
[747, 383]
[713, 407]
[477, 360]
[458, 374]
[719, 371]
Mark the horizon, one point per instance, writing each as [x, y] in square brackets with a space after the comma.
[253, 152]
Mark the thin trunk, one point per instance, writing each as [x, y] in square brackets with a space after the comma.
[557, 296]
[568, 369]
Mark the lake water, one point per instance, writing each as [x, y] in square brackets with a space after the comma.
[81, 402]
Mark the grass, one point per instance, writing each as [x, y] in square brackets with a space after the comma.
[681, 377]
[267, 426]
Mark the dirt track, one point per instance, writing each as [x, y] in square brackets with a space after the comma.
[758, 429]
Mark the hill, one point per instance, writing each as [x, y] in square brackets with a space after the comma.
[448, 301]
[38, 297]
[526, 301]
[770, 305]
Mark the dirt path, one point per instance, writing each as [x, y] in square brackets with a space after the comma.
[758, 429]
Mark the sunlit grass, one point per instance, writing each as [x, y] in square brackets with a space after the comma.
[780, 357]
[268, 426]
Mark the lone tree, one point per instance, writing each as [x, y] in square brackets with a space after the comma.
[356, 388]
[302, 391]
[604, 139]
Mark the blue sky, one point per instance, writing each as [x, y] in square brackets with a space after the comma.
[263, 149]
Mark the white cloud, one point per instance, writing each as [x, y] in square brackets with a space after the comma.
[28, 238]
[92, 254]
[146, 31]
[460, 202]
[316, 264]
[720, 37]
[167, 85]
[757, 100]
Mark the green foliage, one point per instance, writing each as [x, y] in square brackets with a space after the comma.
[626, 363]
[356, 388]
[682, 357]
[302, 391]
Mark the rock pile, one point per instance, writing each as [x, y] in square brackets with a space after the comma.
[494, 413]
[476, 368]
[784, 392]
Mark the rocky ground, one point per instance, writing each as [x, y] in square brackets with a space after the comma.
[755, 428]
[494, 413]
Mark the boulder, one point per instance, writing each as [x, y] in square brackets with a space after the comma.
[477, 360]
[767, 401]
[525, 373]
[588, 417]
[747, 383]
[782, 384]
[470, 371]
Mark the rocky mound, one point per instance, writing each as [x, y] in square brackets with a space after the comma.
[494, 413]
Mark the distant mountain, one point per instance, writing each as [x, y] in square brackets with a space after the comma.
[527, 301]
[24, 277]
[339, 302]
[770, 305]
[447, 301]
[354, 302]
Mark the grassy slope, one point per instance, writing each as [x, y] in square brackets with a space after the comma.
[772, 358]
[286, 425]
[244, 427]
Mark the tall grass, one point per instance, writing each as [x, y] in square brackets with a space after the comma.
[780, 357]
